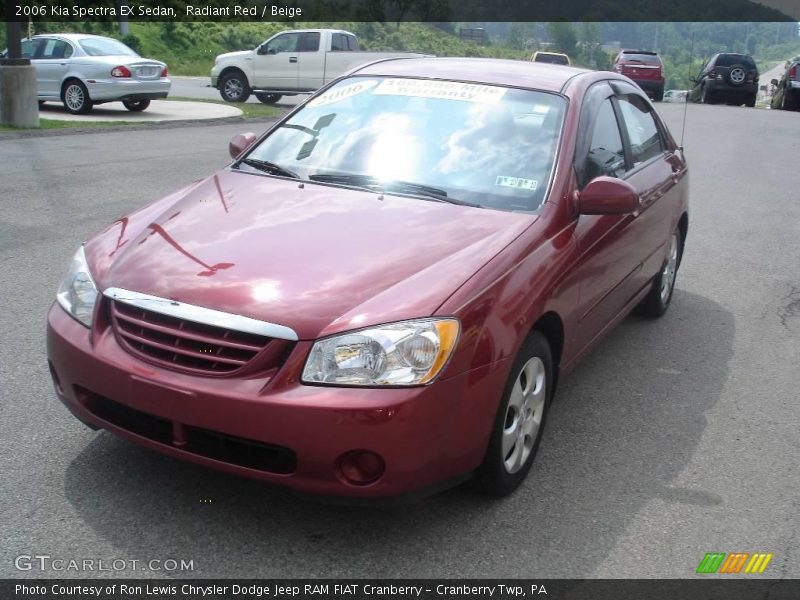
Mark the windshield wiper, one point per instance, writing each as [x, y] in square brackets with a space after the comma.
[402, 187]
[269, 167]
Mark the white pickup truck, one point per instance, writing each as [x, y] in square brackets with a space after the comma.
[297, 61]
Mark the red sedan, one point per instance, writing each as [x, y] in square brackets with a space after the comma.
[380, 294]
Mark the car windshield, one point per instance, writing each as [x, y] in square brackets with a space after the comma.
[442, 140]
[645, 59]
[105, 47]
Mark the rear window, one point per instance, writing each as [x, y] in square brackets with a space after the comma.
[728, 60]
[645, 59]
[105, 47]
[554, 59]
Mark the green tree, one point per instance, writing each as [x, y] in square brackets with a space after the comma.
[563, 37]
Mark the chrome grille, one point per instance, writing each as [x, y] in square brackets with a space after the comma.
[183, 344]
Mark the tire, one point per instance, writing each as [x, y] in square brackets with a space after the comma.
[751, 101]
[75, 97]
[706, 97]
[233, 87]
[136, 105]
[656, 303]
[659, 95]
[789, 102]
[737, 75]
[265, 98]
[519, 423]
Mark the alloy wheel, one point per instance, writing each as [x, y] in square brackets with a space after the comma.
[524, 414]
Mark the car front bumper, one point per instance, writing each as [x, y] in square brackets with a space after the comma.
[110, 90]
[425, 435]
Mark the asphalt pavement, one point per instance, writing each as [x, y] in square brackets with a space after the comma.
[673, 438]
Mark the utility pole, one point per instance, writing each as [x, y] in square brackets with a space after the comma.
[123, 18]
[18, 102]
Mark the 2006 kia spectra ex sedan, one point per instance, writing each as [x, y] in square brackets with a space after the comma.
[379, 295]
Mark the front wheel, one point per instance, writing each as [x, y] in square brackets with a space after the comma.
[75, 97]
[136, 105]
[657, 301]
[265, 98]
[233, 87]
[519, 422]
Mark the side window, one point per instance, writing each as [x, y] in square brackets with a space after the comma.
[606, 154]
[642, 130]
[29, 48]
[352, 43]
[309, 42]
[55, 49]
[286, 42]
[338, 42]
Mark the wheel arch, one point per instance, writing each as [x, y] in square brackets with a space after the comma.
[551, 326]
[233, 69]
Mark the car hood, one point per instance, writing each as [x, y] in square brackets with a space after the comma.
[316, 258]
[234, 55]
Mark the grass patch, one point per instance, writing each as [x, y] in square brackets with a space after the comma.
[55, 124]
[249, 110]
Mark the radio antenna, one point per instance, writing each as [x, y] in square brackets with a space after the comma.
[686, 102]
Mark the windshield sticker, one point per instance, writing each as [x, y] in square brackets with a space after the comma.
[342, 93]
[447, 90]
[517, 182]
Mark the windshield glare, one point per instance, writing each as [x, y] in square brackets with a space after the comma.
[481, 144]
[105, 47]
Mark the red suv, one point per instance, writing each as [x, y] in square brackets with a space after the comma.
[643, 67]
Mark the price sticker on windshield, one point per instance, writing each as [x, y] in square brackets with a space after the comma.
[445, 90]
[344, 92]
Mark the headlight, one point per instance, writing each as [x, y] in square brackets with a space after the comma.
[405, 353]
[77, 294]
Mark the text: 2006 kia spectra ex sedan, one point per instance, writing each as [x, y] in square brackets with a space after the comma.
[379, 295]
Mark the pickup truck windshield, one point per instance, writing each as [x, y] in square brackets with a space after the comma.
[469, 143]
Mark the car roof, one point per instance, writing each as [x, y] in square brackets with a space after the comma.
[71, 36]
[548, 52]
[492, 71]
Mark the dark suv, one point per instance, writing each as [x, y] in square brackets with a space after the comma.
[728, 77]
[787, 91]
[645, 68]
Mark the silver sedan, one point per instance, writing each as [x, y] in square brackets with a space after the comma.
[83, 70]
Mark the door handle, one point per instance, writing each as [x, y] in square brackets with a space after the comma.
[292, 59]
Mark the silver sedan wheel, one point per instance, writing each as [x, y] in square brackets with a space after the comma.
[233, 88]
[74, 97]
[669, 270]
[524, 414]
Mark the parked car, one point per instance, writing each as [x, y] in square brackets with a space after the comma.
[380, 294]
[297, 61]
[787, 91]
[676, 95]
[643, 67]
[554, 58]
[82, 70]
[728, 77]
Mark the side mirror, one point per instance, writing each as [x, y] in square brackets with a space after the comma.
[774, 82]
[608, 196]
[763, 88]
[240, 142]
[262, 49]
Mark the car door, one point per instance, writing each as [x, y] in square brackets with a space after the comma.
[52, 64]
[654, 171]
[606, 264]
[311, 62]
[276, 63]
